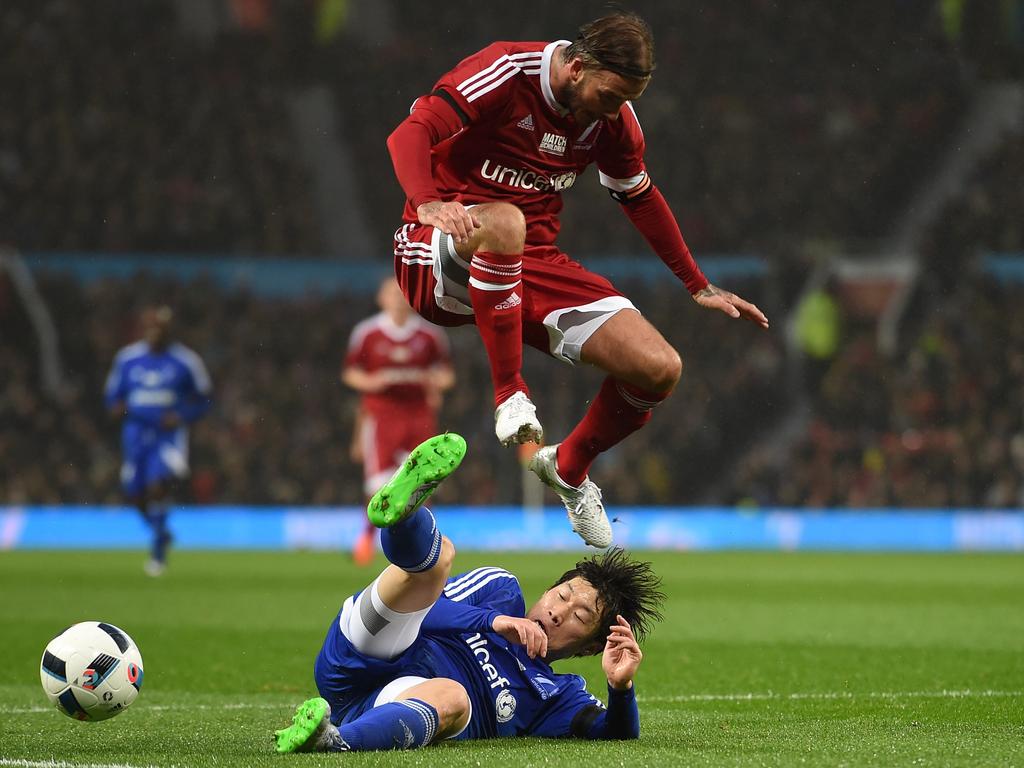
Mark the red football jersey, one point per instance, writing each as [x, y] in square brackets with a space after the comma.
[403, 353]
[519, 145]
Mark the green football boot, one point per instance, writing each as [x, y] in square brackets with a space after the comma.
[429, 463]
[311, 730]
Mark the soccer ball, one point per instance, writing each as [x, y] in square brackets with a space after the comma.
[91, 671]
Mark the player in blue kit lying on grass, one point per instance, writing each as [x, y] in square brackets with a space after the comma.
[418, 656]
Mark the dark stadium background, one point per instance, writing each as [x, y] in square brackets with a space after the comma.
[867, 156]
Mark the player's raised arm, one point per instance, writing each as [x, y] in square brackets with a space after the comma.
[472, 601]
[647, 208]
[621, 719]
[623, 173]
[431, 120]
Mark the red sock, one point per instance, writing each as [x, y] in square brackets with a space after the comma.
[496, 292]
[618, 411]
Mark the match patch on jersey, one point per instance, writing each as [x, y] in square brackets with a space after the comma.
[553, 144]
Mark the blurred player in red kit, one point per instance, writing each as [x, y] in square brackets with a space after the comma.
[484, 160]
[401, 366]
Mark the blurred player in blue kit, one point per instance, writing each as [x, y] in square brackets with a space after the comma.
[157, 387]
[418, 656]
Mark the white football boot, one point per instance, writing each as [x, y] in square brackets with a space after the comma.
[583, 504]
[515, 421]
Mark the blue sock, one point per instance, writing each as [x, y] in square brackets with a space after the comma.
[414, 544]
[156, 516]
[405, 724]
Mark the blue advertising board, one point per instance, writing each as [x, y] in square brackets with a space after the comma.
[511, 528]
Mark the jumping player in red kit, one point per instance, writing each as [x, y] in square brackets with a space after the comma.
[401, 365]
[484, 160]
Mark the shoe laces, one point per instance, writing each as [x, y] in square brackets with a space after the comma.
[587, 500]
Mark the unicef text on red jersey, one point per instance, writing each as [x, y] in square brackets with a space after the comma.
[522, 178]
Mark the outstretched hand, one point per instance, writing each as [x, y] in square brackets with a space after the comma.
[713, 297]
[523, 632]
[621, 655]
[452, 218]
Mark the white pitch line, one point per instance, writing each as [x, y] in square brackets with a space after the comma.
[682, 698]
[19, 763]
[153, 708]
[830, 695]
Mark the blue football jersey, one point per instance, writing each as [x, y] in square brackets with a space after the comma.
[511, 693]
[153, 383]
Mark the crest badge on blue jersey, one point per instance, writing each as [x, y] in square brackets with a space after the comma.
[505, 706]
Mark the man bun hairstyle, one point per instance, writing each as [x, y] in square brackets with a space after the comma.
[620, 42]
[625, 587]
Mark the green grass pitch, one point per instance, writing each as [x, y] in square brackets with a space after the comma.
[764, 659]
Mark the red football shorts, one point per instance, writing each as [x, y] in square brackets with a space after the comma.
[388, 439]
[563, 303]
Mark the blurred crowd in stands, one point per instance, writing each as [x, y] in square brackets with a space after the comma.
[989, 215]
[769, 125]
[281, 423]
[122, 135]
[941, 421]
[940, 424]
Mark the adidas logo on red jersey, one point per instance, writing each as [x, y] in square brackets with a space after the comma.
[526, 123]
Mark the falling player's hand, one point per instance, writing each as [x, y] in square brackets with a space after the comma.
[621, 655]
[522, 632]
[714, 297]
[452, 218]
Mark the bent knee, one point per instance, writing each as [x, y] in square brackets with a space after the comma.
[452, 696]
[453, 706]
[504, 227]
[664, 370]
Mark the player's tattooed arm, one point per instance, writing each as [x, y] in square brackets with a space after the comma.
[713, 297]
[452, 218]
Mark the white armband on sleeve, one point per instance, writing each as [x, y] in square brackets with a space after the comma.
[625, 190]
